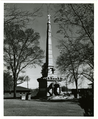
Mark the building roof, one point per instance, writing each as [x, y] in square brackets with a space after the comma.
[19, 89]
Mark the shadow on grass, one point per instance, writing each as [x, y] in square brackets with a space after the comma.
[12, 98]
[66, 100]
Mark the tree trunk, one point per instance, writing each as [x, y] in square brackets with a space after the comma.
[14, 86]
[76, 88]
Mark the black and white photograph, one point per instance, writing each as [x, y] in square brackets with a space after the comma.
[48, 59]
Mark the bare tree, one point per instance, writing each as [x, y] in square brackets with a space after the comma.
[79, 17]
[67, 62]
[76, 24]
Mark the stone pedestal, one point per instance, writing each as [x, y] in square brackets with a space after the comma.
[42, 87]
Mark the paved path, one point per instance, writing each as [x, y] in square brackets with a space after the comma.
[16, 107]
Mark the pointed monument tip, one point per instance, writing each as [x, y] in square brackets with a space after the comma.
[49, 15]
[49, 18]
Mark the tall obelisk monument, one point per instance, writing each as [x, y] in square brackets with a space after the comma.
[51, 73]
[47, 68]
[49, 55]
[48, 73]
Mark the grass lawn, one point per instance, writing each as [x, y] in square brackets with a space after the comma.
[16, 107]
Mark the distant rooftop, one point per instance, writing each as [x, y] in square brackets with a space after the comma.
[20, 89]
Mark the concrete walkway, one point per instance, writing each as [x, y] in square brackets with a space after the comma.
[16, 107]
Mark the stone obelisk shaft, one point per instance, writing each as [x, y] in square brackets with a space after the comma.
[49, 55]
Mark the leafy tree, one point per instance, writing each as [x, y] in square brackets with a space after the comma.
[64, 88]
[8, 81]
[21, 45]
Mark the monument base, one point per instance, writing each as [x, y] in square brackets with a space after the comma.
[42, 88]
